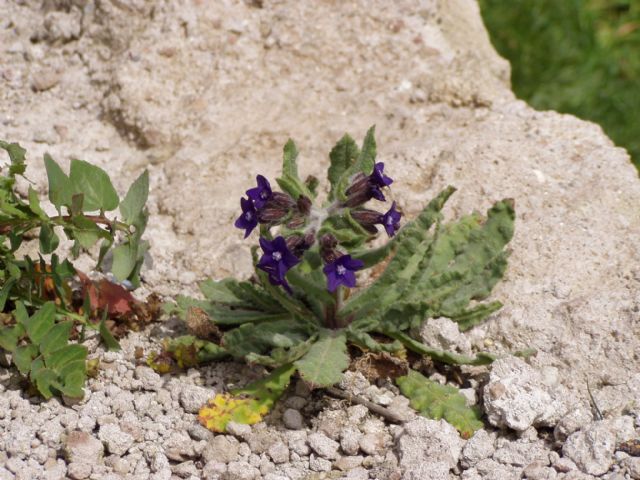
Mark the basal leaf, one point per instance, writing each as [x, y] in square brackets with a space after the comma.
[323, 364]
[60, 189]
[248, 405]
[437, 401]
[95, 184]
[249, 338]
[135, 199]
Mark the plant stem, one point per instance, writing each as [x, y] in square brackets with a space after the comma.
[374, 407]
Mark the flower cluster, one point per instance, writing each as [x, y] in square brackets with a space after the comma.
[302, 223]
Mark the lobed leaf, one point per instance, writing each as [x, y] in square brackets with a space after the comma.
[437, 401]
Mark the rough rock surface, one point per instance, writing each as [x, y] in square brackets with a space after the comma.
[204, 94]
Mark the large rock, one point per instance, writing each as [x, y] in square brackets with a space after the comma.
[205, 94]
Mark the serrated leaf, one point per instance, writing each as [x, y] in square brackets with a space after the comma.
[48, 239]
[95, 184]
[60, 189]
[56, 338]
[323, 364]
[437, 401]
[290, 181]
[135, 199]
[248, 405]
[249, 338]
[23, 356]
[342, 156]
[40, 322]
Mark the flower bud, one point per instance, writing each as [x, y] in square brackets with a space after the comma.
[367, 219]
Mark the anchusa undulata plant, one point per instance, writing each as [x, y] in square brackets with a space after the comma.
[305, 305]
[46, 305]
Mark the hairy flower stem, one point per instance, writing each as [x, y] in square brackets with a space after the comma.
[60, 221]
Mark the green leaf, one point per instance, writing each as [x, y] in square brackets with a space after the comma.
[135, 199]
[482, 358]
[290, 181]
[65, 355]
[23, 356]
[72, 377]
[56, 338]
[325, 361]
[108, 339]
[9, 337]
[220, 292]
[41, 322]
[363, 164]
[342, 157]
[17, 157]
[86, 232]
[248, 405]
[95, 184]
[250, 338]
[125, 257]
[45, 379]
[49, 240]
[6, 290]
[437, 401]
[34, 204]
[60, 189]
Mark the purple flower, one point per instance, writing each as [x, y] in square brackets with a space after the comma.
[260, 194]
[277, 260]
[248, 220]
[378, 180]
[391, 220]
[342, 272]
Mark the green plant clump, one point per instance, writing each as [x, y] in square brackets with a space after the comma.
[42, 320]
[300, 312]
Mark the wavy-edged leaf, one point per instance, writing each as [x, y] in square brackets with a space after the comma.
[342, 156]
[249, 338]
[247, 405]
[437, 401]
[482, 358]
[323, 364]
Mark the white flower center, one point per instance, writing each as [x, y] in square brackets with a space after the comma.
[248, 216]
[389, 221]
[277, 256]
[263, 194]
[341, 270]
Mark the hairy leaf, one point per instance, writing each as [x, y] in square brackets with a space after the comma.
[249, 338]
[39, 324]
[437, 401]
[323, 364]
[290, 182]
[342, 157]
[247, 405]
